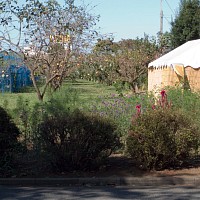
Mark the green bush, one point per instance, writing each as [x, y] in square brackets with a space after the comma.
[77, 141]
[21, 116]
[187, 101]
[162, 138]
[9, 144]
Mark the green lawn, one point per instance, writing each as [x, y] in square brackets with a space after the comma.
[86, 92]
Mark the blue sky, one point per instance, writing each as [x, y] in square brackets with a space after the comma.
[128, 19]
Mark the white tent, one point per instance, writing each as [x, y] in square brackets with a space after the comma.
[187, 54]
[179, 65]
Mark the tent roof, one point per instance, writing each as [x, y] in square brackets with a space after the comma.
[187, 54]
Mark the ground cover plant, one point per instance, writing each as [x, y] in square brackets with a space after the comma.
[120, 109]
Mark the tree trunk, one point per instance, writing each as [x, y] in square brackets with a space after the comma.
[134, 87]
[39, 95]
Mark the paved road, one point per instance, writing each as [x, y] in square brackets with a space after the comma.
[99, 193]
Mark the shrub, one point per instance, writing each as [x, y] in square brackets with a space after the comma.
[9, 144]
[21, 115]
[77, 141]
[162, 138]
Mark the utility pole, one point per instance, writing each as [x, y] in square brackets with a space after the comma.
[161, 18]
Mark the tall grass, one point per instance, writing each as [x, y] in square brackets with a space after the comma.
[187, 101]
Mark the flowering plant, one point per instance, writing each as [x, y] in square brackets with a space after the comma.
[162, 137]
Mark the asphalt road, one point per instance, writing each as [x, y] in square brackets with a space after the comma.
[99, 193]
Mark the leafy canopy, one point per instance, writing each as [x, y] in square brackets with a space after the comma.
[186, 25]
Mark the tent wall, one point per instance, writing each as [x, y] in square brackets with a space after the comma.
[193, 78]
[159, 78]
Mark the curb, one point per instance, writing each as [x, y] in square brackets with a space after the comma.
[112, 181]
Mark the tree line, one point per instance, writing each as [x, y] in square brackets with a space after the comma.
[58, 41]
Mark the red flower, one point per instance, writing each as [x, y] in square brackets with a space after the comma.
[138, 107]
[163, 93]
[153, 107]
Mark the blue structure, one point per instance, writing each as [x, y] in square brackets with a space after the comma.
[13, 77]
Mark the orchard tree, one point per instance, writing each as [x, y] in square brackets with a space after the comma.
[99, 68]
[100, 62]
[105, 46]
[51, 39]
[104, 55]
[121, 62]
[186, 25]
[133, 59]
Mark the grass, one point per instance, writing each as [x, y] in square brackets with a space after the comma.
[89, 89]
[86, 91]
[9, 99]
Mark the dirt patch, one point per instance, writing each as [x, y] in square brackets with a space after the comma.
[120, 165]
[117, 165]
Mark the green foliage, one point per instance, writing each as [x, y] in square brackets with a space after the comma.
[121, 87]
[119, 109]
[77, 141]
[27, 112]
[133, 59]
[9, 144]
[124, 61]
[158, 138]
[5, 104]
[187, 101]
[105, 46]
[21, 114]
[27, 116]
[165, 43]
[186, 24]
[162, 137]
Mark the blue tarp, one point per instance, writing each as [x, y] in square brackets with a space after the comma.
[13, 77]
